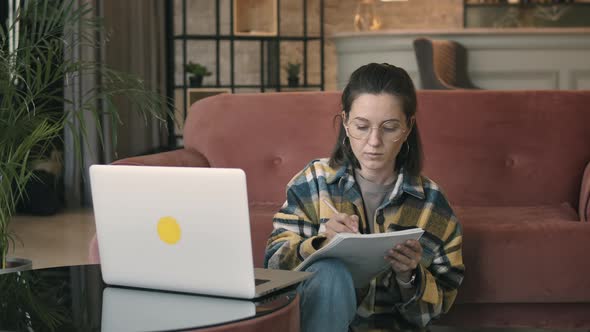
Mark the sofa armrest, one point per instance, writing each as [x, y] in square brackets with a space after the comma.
[180, 158]
[584, 207]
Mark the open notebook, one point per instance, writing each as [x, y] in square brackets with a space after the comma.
[362, 253]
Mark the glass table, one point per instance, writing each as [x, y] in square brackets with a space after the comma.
[75, 298]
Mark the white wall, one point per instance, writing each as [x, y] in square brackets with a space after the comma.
[498, 59]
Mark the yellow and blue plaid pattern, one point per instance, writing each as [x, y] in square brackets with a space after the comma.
[416, 201]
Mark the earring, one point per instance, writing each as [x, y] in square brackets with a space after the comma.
[408, 148]
[344, 140]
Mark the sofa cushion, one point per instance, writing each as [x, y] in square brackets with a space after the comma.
[511, 316]
[522, 254]
[539, 261]
[515, 214]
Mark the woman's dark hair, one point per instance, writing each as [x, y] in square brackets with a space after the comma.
[375, 79]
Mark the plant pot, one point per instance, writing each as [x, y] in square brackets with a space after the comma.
[16, 265]
[293, 81]
[196, 81]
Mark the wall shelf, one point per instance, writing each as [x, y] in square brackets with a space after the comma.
[253, 25]
[255, 17]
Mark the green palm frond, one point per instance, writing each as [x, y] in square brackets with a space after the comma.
[29, 302]
[35, 74]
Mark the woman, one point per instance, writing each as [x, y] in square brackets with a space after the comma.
[373, 178]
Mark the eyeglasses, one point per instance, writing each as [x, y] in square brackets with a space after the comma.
[390, 131]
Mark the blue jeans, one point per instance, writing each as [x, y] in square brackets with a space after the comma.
[328, 299]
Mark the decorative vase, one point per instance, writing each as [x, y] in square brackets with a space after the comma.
[366, 17]
[196, 81]
[16, 265]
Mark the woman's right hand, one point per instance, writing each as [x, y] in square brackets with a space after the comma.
[341, 223]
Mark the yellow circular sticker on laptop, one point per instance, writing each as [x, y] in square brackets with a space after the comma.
[169, 230]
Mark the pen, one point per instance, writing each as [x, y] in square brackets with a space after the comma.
[333, 208]
[330, 205]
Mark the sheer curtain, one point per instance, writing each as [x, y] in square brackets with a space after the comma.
[133, 42]
[136, 44]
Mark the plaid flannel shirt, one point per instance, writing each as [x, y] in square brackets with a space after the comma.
[416, 201]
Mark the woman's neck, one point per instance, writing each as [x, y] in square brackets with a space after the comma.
[377, 177]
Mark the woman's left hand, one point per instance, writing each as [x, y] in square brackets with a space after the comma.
[404, 258]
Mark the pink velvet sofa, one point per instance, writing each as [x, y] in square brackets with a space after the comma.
[515, 166]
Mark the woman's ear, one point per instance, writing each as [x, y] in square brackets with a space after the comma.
[343, 115]
[411, 125]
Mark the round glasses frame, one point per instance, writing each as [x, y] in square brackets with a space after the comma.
[381, 133]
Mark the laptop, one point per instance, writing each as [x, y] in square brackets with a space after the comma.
[182, 229]
[126, 309]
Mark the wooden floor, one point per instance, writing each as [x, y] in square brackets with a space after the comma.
[57, 240]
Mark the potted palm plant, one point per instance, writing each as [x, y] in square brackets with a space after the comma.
[33, 77]
[196, 73]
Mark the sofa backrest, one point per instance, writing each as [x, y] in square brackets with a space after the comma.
[506, 147]
[483, 147]
[271, 136]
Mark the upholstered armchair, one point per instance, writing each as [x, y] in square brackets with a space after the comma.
[442, 64]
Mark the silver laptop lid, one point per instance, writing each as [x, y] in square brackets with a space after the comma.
[174, 228]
